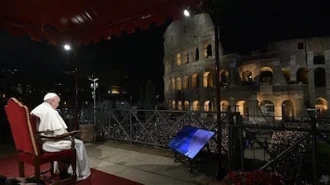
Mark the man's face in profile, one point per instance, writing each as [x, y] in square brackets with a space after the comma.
[54, 103]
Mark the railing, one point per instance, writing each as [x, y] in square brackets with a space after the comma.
[278, 144]
[291, 147]
[152, 127]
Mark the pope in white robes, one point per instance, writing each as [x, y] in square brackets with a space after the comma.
[50, 120]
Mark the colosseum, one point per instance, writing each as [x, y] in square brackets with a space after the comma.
[277, 83]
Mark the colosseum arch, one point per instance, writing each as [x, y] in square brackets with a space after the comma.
[185, 57]
[319, 77]
[207, 106]
[266, 75]
[302, 75]
[247, 77]
[178, 84]
[321, 105]
[178, 59]
[167, 66]
[186, 82]
[173, 84]
[169, 103]
[242, 108]
[173, 104]
[287, 74]
[196, 54]
[224, 106]
[208, 51]
[207, 79]
[196, 106]
[168, 86]
[179, 105]
[224, 77]
[267, 108]
[186, 105]
[287, 110]
[195, 81]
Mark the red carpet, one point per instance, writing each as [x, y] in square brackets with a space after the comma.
[9, 168]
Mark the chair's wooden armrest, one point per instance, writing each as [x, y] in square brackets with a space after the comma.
[46, 132]
[60, 137]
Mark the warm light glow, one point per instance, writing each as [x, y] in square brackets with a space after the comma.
[207, 80]
[186, 105]
[242, 108]
[224, 106]
[67, 47]
[179, 105]
[207, 106]
[178, 84]
[194, 80]
[185, 82]
[178, 59]
[186, 13]
[196, 106]
[114, 91]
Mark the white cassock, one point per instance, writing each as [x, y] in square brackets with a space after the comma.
[51, 120]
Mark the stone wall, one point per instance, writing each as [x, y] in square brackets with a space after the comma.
[190, 37]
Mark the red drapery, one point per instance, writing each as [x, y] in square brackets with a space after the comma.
[85, 20]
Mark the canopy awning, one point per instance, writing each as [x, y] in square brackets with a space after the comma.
[85, 21]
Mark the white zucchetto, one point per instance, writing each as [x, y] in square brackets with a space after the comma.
[49, 96]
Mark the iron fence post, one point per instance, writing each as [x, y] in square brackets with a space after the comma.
[230, 139]
[131, 125]
[314, 149]
[217, 96]
[240, 122]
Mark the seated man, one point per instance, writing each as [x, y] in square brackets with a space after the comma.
[50, 120]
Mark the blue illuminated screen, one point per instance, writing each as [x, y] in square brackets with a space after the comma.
[190, 140]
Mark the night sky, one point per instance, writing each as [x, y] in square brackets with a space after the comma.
[131, 59]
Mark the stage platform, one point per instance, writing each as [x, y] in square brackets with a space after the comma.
[143, 164]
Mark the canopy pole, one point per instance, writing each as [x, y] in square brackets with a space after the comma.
[217, 97]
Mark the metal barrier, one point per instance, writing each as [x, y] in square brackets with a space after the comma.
[158, 127]
[151, 127]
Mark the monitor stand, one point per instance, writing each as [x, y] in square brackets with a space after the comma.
[191, 164]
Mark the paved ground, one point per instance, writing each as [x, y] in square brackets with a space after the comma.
[147, 165]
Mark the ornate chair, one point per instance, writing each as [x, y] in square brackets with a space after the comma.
[28, 144]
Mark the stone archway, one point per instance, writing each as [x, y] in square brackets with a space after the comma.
[287, 110]
[267, 108]
[247, 78]
[242, 108]
[266, 75]
[195, 81]
[179, 105]
[207, 79]
[321, 105]
[302, 75]
[224, 78]
[207, 106]
[173, 104]
[178, 84]
[196, 106]
[186, 105]
[224, 106]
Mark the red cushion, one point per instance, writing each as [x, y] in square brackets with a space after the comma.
[47, 157]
